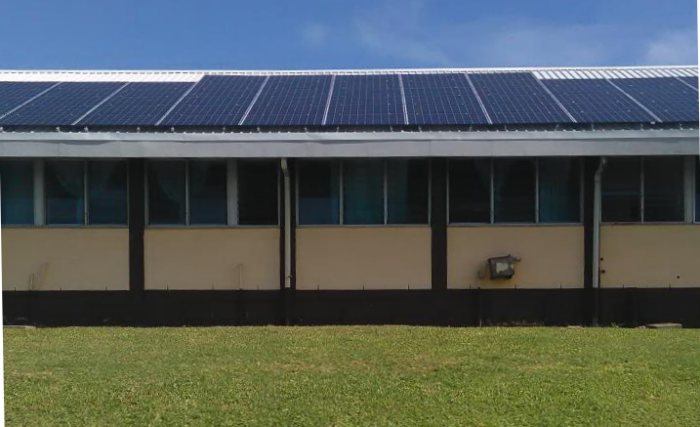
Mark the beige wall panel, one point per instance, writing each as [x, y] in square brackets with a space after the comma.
[363, 257]
[47, 259]
[217, 258]
[649, 255]
[551, 256]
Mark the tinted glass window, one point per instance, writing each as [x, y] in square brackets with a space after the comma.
[207, 192]
[514, 190]
[257, 192]
[663, 189]
[17, 192]
[470, 190]
[407, 191]
[107, 192]
[65, 189]
[166, 192]
[559, 190]
[363, 192]
[318, 192]
[621, 190]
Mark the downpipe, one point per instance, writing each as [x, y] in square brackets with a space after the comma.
[287, 224]
[597, 217]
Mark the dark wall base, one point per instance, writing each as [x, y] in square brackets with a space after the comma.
[626, 307]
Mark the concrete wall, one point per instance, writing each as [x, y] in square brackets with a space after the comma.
[552, 256]
[47, 259]
[216, 258]
[650, 255]
[363, 257]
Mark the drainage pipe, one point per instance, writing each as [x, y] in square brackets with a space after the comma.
[597, 214]
[287, 225]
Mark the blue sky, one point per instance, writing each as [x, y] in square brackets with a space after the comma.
[303, 34]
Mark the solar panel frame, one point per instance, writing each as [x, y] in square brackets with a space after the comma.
[517, 98]
[666, 97]
[61, 105]
[596, 101]
[366, 100]
[216, 101]
[138, 104]
[13, 94]
[441, 99]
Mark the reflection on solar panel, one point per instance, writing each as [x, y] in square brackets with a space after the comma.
[441, 99]
[12, 94]
[366, 100]
[291, 100]
[596, 101]
[137, 104]
[62, 105]
[693, 81]
[216, 101]
[514, 98]
[668, 98]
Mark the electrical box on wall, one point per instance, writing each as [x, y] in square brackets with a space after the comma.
[502, 267]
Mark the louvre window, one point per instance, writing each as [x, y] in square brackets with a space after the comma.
[559, 187]
[621, 190]
[470, 191]
[663, 189]
[207, 192]
[17, 191]
[319, 195]
[514, 190]
[166, 192]
[65, 192]
[258, 192]
[107, 198]
[407, 191]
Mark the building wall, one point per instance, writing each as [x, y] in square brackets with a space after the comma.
[650, 255]
[363, 258]
[212, 258]
[47, 259]
[551, 256]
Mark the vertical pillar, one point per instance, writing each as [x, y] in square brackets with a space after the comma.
[438, 223]
[137, 223]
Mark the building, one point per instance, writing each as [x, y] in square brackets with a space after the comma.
[195, 197]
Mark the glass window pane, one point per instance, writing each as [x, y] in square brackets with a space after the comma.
[621, 190]
[318, 192]
[207, 192]
[166, 192]
[258, 183]
[560, 190]
[65, 201]
[17, 192]
[514, 190]
[663, 189]
[407, 191]
[107, 192]
[470, 190]
[363, 192]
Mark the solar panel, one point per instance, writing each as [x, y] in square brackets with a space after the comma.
[366, 100]
[291, 100]
[216, 101]
[62, 105]
[441, 99]
[13, 94]
[693, 81]
[516, 98]
[596, 101]
[668, 98]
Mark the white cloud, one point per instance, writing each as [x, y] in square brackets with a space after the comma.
[314, 34]
[673, 47]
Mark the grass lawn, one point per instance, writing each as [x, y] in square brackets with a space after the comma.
[389, 375]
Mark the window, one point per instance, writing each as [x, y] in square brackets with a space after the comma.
[559, 186]
[107, 199]
[17, 191]
[363, 192]
[621, 190]
[319, 201]
[514, 190]
[470, 191]
[207, 192]
[407, 191]
[65, 192]
[663, 189]
[166, 192]
[258, 192]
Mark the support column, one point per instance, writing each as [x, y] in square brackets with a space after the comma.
[137, 223]
[438, 223]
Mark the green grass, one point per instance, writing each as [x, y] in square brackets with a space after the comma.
[338, 376]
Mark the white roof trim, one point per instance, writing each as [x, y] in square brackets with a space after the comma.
[616, 73]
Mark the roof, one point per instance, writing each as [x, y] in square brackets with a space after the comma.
[330, 100]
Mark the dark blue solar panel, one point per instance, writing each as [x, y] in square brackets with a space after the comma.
[216, 101]
[366, 100]
[137, 104]
[291, 100]
[12, 94]
[693, 81]
[62, 105]
[668, 98]
[596, 101]
[441, 99]
[517, 98]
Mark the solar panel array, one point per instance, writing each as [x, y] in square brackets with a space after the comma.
[354, 99]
